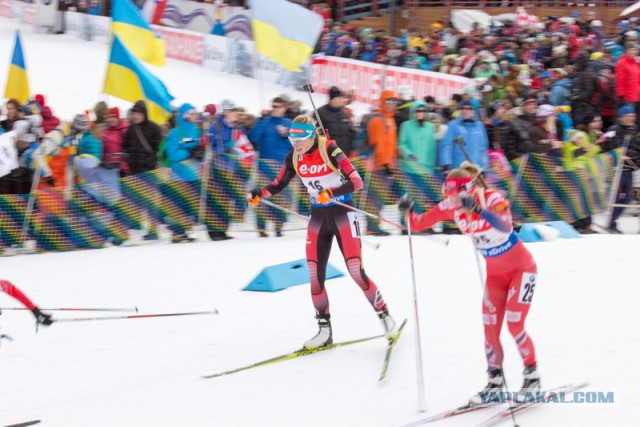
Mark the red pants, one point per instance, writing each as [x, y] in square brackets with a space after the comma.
[509, 293]
[341, 223]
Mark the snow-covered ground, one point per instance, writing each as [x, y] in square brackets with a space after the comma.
[584, 320]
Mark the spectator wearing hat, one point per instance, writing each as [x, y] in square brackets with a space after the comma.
[628, 79]
[405, 92]
[113, 135]
[88, 155]
[544, 134]
[560, 89]
[472, 133]
[100, 111]
[416, 140]
[382, 136]
[336, 120]
[141, 140]
[585, 89]
[209, 116]
[49, 121]
[623, 134]
[270, 135]
[232, 152]
[518, 138]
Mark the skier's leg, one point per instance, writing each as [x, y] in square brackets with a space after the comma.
[318, 249]
[347, 231]
[521, 290]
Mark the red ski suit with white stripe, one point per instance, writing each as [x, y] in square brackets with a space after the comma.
[511, 269]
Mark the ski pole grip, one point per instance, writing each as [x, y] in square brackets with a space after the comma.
[308, 88]
[459, 141]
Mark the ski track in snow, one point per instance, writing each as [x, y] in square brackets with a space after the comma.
[146, 372]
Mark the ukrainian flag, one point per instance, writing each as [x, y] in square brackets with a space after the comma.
[285, 32]
[18, 82]
[128, 79]
[136, 34]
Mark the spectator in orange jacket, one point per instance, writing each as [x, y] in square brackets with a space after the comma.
[382, 135]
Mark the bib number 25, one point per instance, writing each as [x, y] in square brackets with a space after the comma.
[527, 286]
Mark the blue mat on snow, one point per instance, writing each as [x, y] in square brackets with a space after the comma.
[281, 276]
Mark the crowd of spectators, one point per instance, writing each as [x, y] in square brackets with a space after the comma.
[559, 87]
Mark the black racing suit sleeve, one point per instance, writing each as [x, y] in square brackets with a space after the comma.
[286, 174]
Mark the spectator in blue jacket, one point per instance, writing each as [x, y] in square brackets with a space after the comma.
[270, 137]
[474, 136]
[560, 89]
[185, 153]
[184, 149]
[230, 146]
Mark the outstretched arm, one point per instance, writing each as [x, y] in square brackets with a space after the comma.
[286, 174]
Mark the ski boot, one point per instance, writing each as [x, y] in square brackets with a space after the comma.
[388, 324]
[492, 391]
[531, 383]
[322, 338]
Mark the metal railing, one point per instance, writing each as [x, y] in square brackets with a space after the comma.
[477, 4]
[351, 10]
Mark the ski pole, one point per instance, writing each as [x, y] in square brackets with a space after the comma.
[375, 246]
[443, 242]
[460, 143]
[422, 406]
[378, 217]
[134, 309]
[133, 316]
[309, 89]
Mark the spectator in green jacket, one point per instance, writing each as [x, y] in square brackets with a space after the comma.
[417, 142]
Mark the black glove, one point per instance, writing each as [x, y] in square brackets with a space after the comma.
[197, 153]
[405, 204]
[49, 180]
[469, 202]
[388, 170]
[42, 318]
[254, 196]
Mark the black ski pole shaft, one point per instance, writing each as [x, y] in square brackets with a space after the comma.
[376, 246]
[460, 143]
[309, 89]
[132, 309]
[135, 316]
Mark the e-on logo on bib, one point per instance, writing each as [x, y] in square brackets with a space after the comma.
[313, 170]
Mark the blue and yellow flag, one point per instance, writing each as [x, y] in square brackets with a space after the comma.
[285, 32]
[136, 34]
[128, 79]
[18, 82]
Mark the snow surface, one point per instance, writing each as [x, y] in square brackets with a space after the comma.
[147, 372]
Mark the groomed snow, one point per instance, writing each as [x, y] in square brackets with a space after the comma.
[146, 372]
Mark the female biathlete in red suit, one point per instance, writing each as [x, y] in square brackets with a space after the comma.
[9, 289]
[328, 176]
[511, 270]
